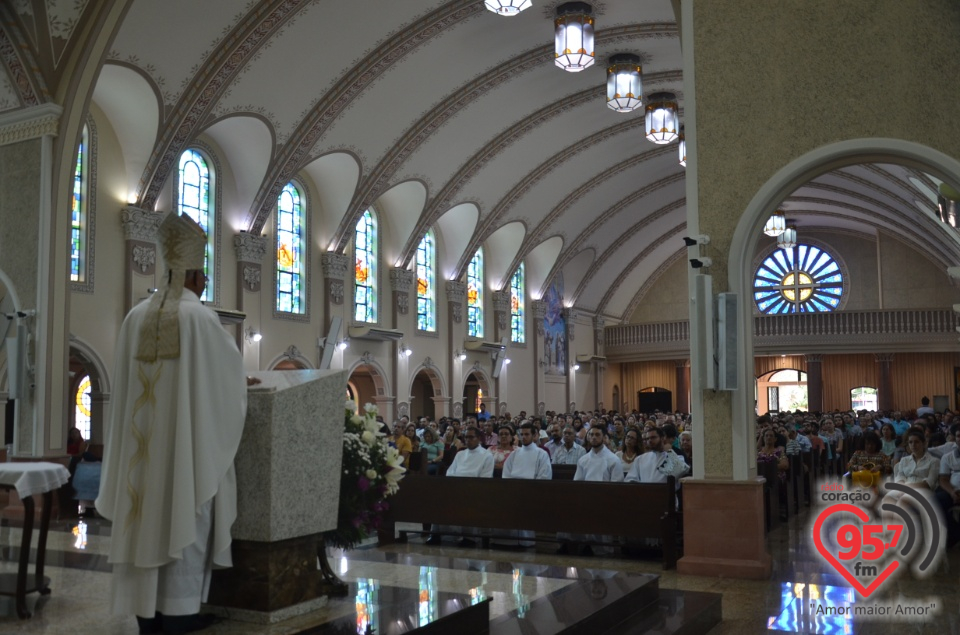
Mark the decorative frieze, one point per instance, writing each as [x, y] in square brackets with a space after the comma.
[251, 277]
[144, 256]
[501, 308]
[456, 295]
[335, 288]
[250, 248]
[141, 224]
[401, 280]
[539, 313]
[334, 265]
[30, 123]
[570, 315]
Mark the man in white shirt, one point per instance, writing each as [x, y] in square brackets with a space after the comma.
[529, 461]
[657, 463]
[948, 495]
[569, 451]
[472, 461]
[600, 465]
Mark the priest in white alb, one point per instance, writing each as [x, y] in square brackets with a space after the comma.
[528, 461]
[168, 481]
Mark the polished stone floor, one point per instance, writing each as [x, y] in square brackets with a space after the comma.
[514, 581]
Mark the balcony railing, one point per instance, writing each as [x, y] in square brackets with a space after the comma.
[842, 331]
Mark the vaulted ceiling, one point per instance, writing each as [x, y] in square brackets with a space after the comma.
[441, 114]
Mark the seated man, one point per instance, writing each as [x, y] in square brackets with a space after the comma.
[599, 464]
[657, 463]
[529, 461]
[473, 460]
[570, 451]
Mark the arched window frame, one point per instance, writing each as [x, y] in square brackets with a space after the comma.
[366, 250]
[211, 295]
[426, 274]
[831, 253]
[475, 295]
[83, 212]
[83, 407]
[301, 257]
[518, 313]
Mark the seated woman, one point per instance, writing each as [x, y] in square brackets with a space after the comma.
[888, 440]
[871, 457]
[770, 453]
[504, 448]
[400, 441]
[918, 469]
[434, 449]
[631, 449]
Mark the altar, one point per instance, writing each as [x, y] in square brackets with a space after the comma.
[288, 484]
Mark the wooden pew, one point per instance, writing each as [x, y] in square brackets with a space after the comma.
[632, 510]
[771, 494]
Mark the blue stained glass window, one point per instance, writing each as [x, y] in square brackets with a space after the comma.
[290, 270]
[365, 272]
[78, 212]
[804, 279]
[517, 313]
[426, 283]
[194, 201]
[475, 295]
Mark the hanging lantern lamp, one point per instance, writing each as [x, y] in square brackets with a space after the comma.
[683, 148]
[775, 224]
[663, 121]
[624, 83]
[507, 7]
[788, 239]
[574, 36]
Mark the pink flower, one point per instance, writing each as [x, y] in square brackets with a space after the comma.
[363, 483]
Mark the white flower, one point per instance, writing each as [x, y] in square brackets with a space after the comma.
[351, 405]
[371, 474]
[356, 420]
[370, 409]
[371, 426]
[369, 438]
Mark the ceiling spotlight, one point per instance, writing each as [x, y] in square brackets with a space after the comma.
[574, 36]
[788, 239]
[624, 83]
[662, 119]
[507, 7]
[775, 224]
[698, 263]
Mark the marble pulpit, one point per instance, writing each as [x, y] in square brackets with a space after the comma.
[288, 484]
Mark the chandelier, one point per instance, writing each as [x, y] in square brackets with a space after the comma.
[788, 239]
[662, 120]
[507, 7]
[624, 86]
[574, 36]
[683, 148]
[775, 224]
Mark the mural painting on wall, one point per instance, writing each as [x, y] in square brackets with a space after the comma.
[555, 330]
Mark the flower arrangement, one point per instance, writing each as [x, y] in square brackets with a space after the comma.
[372, 470]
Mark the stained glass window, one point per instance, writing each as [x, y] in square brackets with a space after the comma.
[426, 284]
[290, 274]
[82, 416]
[365, 273]
[194, 201]
[517, 313]
[804, 279]
[475, 295]
[79, 212]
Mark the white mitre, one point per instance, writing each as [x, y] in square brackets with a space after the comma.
[183, 245]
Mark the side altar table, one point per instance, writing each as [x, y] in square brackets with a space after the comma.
[288, 487]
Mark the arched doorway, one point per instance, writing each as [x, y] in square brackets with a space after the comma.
[368, 384]
[654, 398]
[476, 391]
[421, 396]
[88, 390]
[783, 390]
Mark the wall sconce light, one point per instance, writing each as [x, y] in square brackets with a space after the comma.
[404, 350]
[576, 367]
[343, 344]
[252, 336]
[506, 361]
[460, 355]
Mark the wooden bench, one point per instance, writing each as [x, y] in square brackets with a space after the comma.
[631, 510]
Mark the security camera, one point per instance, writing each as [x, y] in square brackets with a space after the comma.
[697, 263]
[698, 239]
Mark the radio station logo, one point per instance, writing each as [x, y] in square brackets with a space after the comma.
[872, 534]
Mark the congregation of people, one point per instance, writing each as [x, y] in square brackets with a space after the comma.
[917, 448]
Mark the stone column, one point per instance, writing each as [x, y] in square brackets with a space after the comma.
[456, 296]
[140, 228]
[250, 250]
[401, 282]
[539, 308]
[569, 316]
[501, 314]
[814, 383]
[335, 267]
[600, 368]
[885, 383]
[683, 385]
